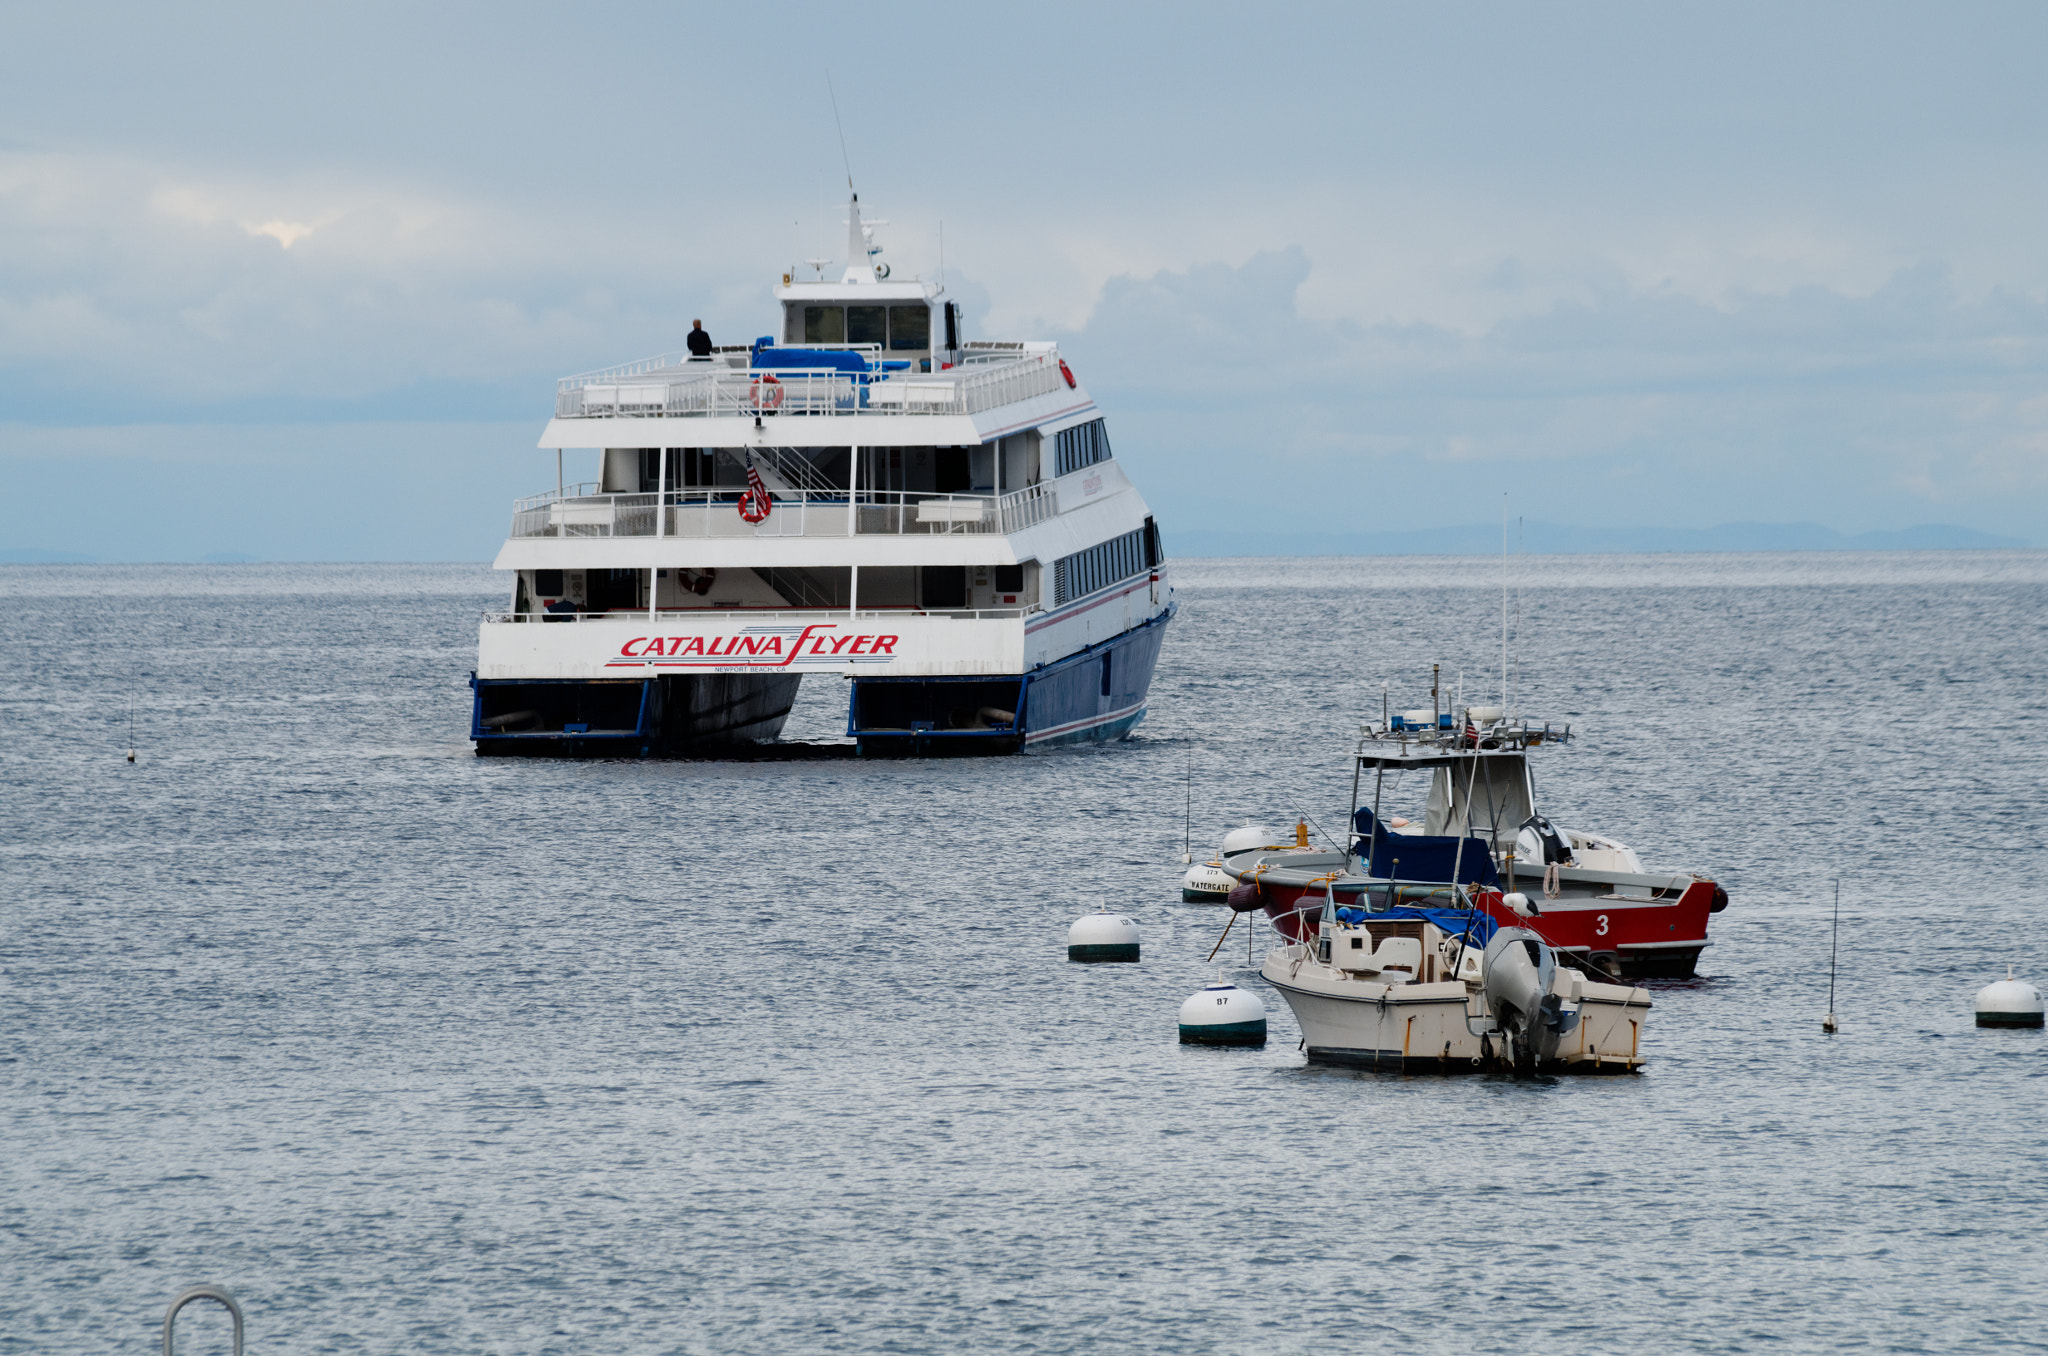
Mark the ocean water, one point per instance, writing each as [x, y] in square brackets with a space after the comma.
[423, 1053]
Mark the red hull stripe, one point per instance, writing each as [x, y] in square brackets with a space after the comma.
[1076, 609]
[1074, 725]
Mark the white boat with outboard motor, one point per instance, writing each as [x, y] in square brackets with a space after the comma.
[865, 493]
[1394, 987]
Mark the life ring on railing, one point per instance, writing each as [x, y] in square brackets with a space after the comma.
[770, 399]
[1068, 373]
[754, 507]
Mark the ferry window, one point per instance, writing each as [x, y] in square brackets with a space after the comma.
[824, 324]
[866, 325]
[910, 327]
[1079, 447]
[952, 472]
[1009, 579]
[944, 585]
[547, 583]
[1080, 574]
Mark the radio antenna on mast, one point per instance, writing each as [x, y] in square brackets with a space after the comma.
[846, 159]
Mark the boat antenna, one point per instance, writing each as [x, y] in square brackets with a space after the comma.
[845, 159]
[1828, 1023]
[858, 255]
[1504, 601]
[1521, 563]
[1187, 814]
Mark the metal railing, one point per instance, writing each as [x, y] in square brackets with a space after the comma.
[216, 1293]
[638, 615]
[659, 388]
[700, 514]
[643, 366]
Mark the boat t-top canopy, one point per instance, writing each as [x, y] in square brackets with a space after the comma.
[1441, 740]
[1479, 779]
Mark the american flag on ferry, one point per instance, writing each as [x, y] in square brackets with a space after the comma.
[754, 480]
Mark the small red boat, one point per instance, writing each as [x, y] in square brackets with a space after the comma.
[1481, 843]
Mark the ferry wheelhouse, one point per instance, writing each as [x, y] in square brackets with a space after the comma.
[864, 493]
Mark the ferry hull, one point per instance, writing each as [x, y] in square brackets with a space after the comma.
[1096, 695]
[673, 714]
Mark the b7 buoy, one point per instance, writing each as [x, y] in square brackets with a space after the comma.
[1102, 937]
[2009, 1002]
[1223, 1014]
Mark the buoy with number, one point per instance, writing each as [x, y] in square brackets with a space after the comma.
[1223, 1014]
[2009, 1002]
[1102, 936]
[1206, 883]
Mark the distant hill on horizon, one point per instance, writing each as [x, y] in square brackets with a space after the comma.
[1480, 539]
[1477, 539]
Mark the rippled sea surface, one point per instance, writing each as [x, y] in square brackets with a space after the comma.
[418, 1052]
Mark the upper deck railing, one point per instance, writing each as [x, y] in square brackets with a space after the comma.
[578, 511]
[666, 386]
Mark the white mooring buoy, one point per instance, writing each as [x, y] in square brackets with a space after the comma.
[1223, 1014]
[1206, 883]
[1102, 937]
[1249, 837]
[2009, 1002]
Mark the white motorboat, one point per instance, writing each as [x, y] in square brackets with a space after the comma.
[1447, 990]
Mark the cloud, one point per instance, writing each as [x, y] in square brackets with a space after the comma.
[283, 232]
[1632, 406]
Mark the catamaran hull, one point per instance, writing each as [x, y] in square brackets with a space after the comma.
[1095, 696]
[674, 714]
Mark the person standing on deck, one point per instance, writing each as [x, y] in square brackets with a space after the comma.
[699, 341]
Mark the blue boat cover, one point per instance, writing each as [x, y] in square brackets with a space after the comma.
[810, 360]
[1476, 927]
[1421, 857]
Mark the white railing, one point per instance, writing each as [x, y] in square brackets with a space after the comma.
[642, 367]
[700, 514]
[658, 388]
[671, 614]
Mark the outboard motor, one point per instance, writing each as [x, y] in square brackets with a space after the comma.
[1538, 841]
[1518, 970]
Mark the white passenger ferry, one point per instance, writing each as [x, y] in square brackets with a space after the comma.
[865, 494]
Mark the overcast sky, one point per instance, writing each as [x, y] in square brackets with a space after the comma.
[298, 283]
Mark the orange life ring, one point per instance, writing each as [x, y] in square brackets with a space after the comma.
[754, 507]
[771, 399]
[1067, 373]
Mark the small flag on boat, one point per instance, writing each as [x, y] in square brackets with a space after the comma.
[755, 505]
